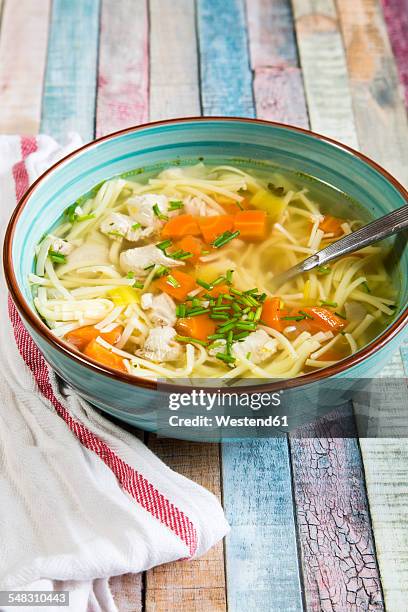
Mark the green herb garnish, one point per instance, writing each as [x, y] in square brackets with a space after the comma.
[224, 238]
[159, 214]
[172, 281]
[57, 257]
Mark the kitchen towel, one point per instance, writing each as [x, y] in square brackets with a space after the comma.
[81, 499]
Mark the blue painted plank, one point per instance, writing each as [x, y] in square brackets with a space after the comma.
[226, 80]
[71, 73]
[261, 551]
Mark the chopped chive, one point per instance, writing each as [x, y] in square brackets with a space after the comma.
[80, 218]
[228, 277]
[366, 287]
[340, 315]
[161, 271]
[258, 313]
[159, 214]
[246, 310]
[172, 281]
[245, 325]
[216, 337]
[130, 274]
[251, 315]
[295, 318]
[236, 307]
[241, 336]
[325, 303]
[205, 252]
[176, 205]
[164, 245]
[226, 358]
[116, 233]
[224, 238]
[218, 281]
[323, 270]
[262, 297]
[57, 257]
[226, 327]
[187, 339]
[250, 291]
[305, 314]
[136, 226]
[138, 285]
[225, 296]
[180, 254]
[230, 336]
[195, 302]
[248, 355]
[219, 317]
[235, 291]
[221, 308]
[219, 300]
[203, 284]
[194, 313]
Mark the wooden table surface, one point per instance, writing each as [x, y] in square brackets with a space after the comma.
[318, 524]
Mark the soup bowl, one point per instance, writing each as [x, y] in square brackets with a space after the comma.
[185, 141]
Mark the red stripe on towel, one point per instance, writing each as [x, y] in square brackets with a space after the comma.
[142, 491]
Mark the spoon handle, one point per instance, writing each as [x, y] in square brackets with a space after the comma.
[396, 221]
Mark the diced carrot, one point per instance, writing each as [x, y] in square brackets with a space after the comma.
[212, 227]
[199, 327]
[331, 225]
[251, 224]
[186, 283]
[217, 290]
[83, 335]
[323, 320]
[231, 207]
[104, 356]
[272, 314]
[191, 244]
[182, 225]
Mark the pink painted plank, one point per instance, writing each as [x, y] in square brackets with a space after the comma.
[278, 85]
[123, 66]
[396, 18]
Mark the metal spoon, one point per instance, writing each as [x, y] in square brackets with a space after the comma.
[393, 223]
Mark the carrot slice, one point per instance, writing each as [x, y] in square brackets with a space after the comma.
[199, 327]
[251, 224]
[323, 319]
[185, 282]
[83, 335]
[217, 290]
[272, 314]
[212, 227]
[104, 356]
[332, 225]
[180, 226]
[191, 244]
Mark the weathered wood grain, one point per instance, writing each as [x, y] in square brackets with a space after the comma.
[174, 86]
[324, 69]
[127, 592]
[70, 79]
[396, 18]
[189, 586]
[381, 118]
[226, 81]
[261, 556]
[23, 49]
[277, 83]
[123, 66]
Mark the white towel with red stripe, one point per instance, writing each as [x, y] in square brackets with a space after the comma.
[80, 498]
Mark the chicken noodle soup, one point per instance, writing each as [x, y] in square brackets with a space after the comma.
[169, 276]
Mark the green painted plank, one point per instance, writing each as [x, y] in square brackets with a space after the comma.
[71, 73]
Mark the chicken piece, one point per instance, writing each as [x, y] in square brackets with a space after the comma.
[198, 208]
[116, 225]
[164, 308]
[138, 259]
[63, 247]
[142, 209]
[160, 345]
[258, 344]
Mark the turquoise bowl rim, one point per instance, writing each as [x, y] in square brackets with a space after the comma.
[35, 322]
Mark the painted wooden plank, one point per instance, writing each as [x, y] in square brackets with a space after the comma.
[127, 592]
[381, 118]
[189, 586]
[174, 91]
[261, 552]
[23, 48]
[226, 82]
[324, 69]
[123, 66]
[278, 85]
[174, 87]
[70, 80]
[396, 18]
